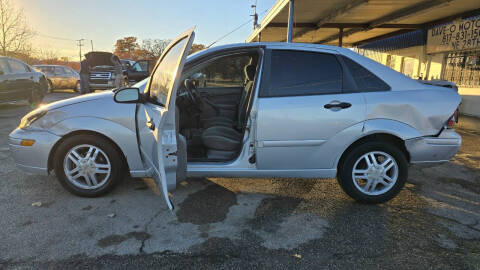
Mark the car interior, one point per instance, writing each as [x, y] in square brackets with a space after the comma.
[213, 104]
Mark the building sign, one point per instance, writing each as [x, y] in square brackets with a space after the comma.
[461, 35]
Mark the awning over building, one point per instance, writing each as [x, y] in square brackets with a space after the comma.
[357, 22]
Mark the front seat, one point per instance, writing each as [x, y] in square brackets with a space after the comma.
[249, 72]
[223, 137]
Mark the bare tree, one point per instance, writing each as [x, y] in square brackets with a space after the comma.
[14, 31]
[47, 56]
[153, 48]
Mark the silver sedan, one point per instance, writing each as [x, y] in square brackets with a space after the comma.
[247, 110]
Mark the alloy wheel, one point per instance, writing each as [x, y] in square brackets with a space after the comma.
[375, 173]
[87, 166]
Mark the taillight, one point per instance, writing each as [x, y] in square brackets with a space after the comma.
[454, 119]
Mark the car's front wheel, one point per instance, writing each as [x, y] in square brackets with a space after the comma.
[88, 165]
[373, 172]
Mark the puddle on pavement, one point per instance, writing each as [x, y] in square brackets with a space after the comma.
[116, 239]
[209, 205]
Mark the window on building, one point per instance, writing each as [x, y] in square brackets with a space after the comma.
[295, 73]
[366, 81]
[463, 68]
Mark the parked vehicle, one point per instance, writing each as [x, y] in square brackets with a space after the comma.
[102, 74]
[20, 81]
[60, 77]
[247, 110]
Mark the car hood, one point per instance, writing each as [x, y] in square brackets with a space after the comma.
[79, 99]
[99, 59]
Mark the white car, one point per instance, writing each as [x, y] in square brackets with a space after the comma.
[247, 110]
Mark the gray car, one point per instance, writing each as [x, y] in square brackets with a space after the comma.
[60, 77]
[247, 110]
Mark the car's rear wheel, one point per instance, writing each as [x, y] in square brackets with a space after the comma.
[77, 87]
[88, 165]
[373, 172]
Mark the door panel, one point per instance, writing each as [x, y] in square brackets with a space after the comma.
[20, 81]
[156, 119]
[292, 132]
[149, 118]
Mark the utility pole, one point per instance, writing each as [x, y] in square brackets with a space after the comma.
[80, 45]
[255, 15]
[91, 43]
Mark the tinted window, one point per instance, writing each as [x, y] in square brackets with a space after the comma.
[304, 73]
[59, 70]
[165, 73]
[3, 67]
[366, 81]
[68, 71]
[17, 67]
[138, 67]
[46, 69]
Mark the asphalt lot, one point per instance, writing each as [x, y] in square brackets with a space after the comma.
[434, 223]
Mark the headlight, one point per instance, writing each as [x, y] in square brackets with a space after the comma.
[113, 76]
[31, 117]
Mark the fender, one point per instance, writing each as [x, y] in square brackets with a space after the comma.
[392, 127]
[366, 128]
[125, 138]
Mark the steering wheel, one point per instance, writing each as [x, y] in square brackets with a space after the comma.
[192, 93]
[189, 86]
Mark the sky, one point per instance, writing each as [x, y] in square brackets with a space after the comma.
[105, 21]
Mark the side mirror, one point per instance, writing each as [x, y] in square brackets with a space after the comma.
[127, 95]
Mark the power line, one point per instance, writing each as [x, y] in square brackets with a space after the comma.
[238, 27]
[53, 37]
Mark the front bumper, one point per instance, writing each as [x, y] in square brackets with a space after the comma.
[32, 159]
[97, 85]
[433, 150]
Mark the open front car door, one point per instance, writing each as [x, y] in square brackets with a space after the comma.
[162, 149]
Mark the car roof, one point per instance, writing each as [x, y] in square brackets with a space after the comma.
[395, 79]
[276, 45]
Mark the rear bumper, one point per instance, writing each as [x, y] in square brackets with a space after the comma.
[429, 151]
[32, 159]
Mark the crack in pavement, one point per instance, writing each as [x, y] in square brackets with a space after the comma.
[145, 229]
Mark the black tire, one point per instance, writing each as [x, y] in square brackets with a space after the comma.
[345, 170]
[117, 167]
[77, 87]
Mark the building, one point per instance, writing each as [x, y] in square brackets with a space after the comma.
[424, 39]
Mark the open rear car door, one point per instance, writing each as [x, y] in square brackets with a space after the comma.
[162, 149]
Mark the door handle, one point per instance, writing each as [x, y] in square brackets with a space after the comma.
[151, 124]
[342, 105]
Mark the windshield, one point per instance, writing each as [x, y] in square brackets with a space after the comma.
[165, 73]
